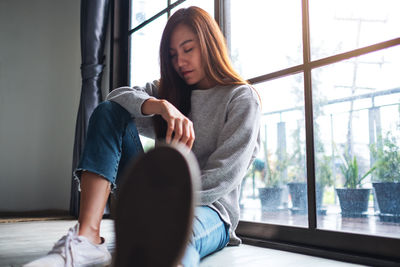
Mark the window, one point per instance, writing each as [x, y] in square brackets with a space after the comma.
[331, 98]
[257, 45]
[327, 73]
[356, 107]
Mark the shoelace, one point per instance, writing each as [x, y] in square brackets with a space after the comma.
[68, 242]
[69, 247]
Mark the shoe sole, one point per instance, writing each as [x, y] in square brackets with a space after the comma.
[155, 206]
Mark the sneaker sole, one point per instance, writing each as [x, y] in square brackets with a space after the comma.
[155, 206]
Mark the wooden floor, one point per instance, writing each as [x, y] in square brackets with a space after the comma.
[23, 241]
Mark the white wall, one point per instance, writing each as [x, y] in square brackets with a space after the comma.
[39, 97]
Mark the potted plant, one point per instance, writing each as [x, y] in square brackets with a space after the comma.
[298, 185]
[324, 178]
[386, 179]
[353, 198]
[298, 194]
[273, 176]
[298, 182]
[297, 175]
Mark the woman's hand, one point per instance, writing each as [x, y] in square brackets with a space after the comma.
[179, 127]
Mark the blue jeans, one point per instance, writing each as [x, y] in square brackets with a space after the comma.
[112, 141]
[209, 235]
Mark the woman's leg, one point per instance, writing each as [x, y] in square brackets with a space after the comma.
[210, 234]
[112, 141]
[94, 195]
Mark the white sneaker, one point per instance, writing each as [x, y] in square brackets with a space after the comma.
[72, 251]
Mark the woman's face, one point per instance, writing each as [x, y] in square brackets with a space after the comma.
[185, 54]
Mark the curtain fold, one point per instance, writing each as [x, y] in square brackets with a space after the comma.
[94, 19]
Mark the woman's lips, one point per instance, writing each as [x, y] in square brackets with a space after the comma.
[184, 73]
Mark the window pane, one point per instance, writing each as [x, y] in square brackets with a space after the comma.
[145, 43]
[274, 190]
[142, 10]
[356, 111]
[265, 36]
[338, 26]
[207, 5]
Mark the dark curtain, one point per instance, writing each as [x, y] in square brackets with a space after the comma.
[94, 18]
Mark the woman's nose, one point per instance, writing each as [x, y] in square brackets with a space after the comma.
[181, 60]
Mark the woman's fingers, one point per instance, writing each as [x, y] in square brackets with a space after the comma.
[170, 130]
[187, 125]
[188, 136]
[178, 131]
[191, 139]
[179, 128]
[182, 132]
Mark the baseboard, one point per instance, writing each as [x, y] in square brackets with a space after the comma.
[35, 215]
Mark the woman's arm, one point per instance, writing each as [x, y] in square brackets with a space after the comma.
[132, 98]
[177, 124]
[142, 102]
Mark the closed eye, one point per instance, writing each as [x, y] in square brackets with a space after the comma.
[188, 50]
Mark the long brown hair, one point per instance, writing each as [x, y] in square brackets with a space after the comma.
[217, 65]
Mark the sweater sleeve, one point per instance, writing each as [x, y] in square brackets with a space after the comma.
[132, 98]
[236, 146]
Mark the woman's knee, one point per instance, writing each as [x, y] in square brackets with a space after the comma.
[108, 108]
[109, 112]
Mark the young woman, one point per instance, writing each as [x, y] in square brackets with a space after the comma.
[200, 102]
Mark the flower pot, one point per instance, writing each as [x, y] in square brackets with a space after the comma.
[353, 202]
[298, 194]
[270, 198]
[388, 198]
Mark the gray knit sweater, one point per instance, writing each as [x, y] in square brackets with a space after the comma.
[226, 121]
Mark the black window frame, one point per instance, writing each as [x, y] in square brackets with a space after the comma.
[351, 247]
